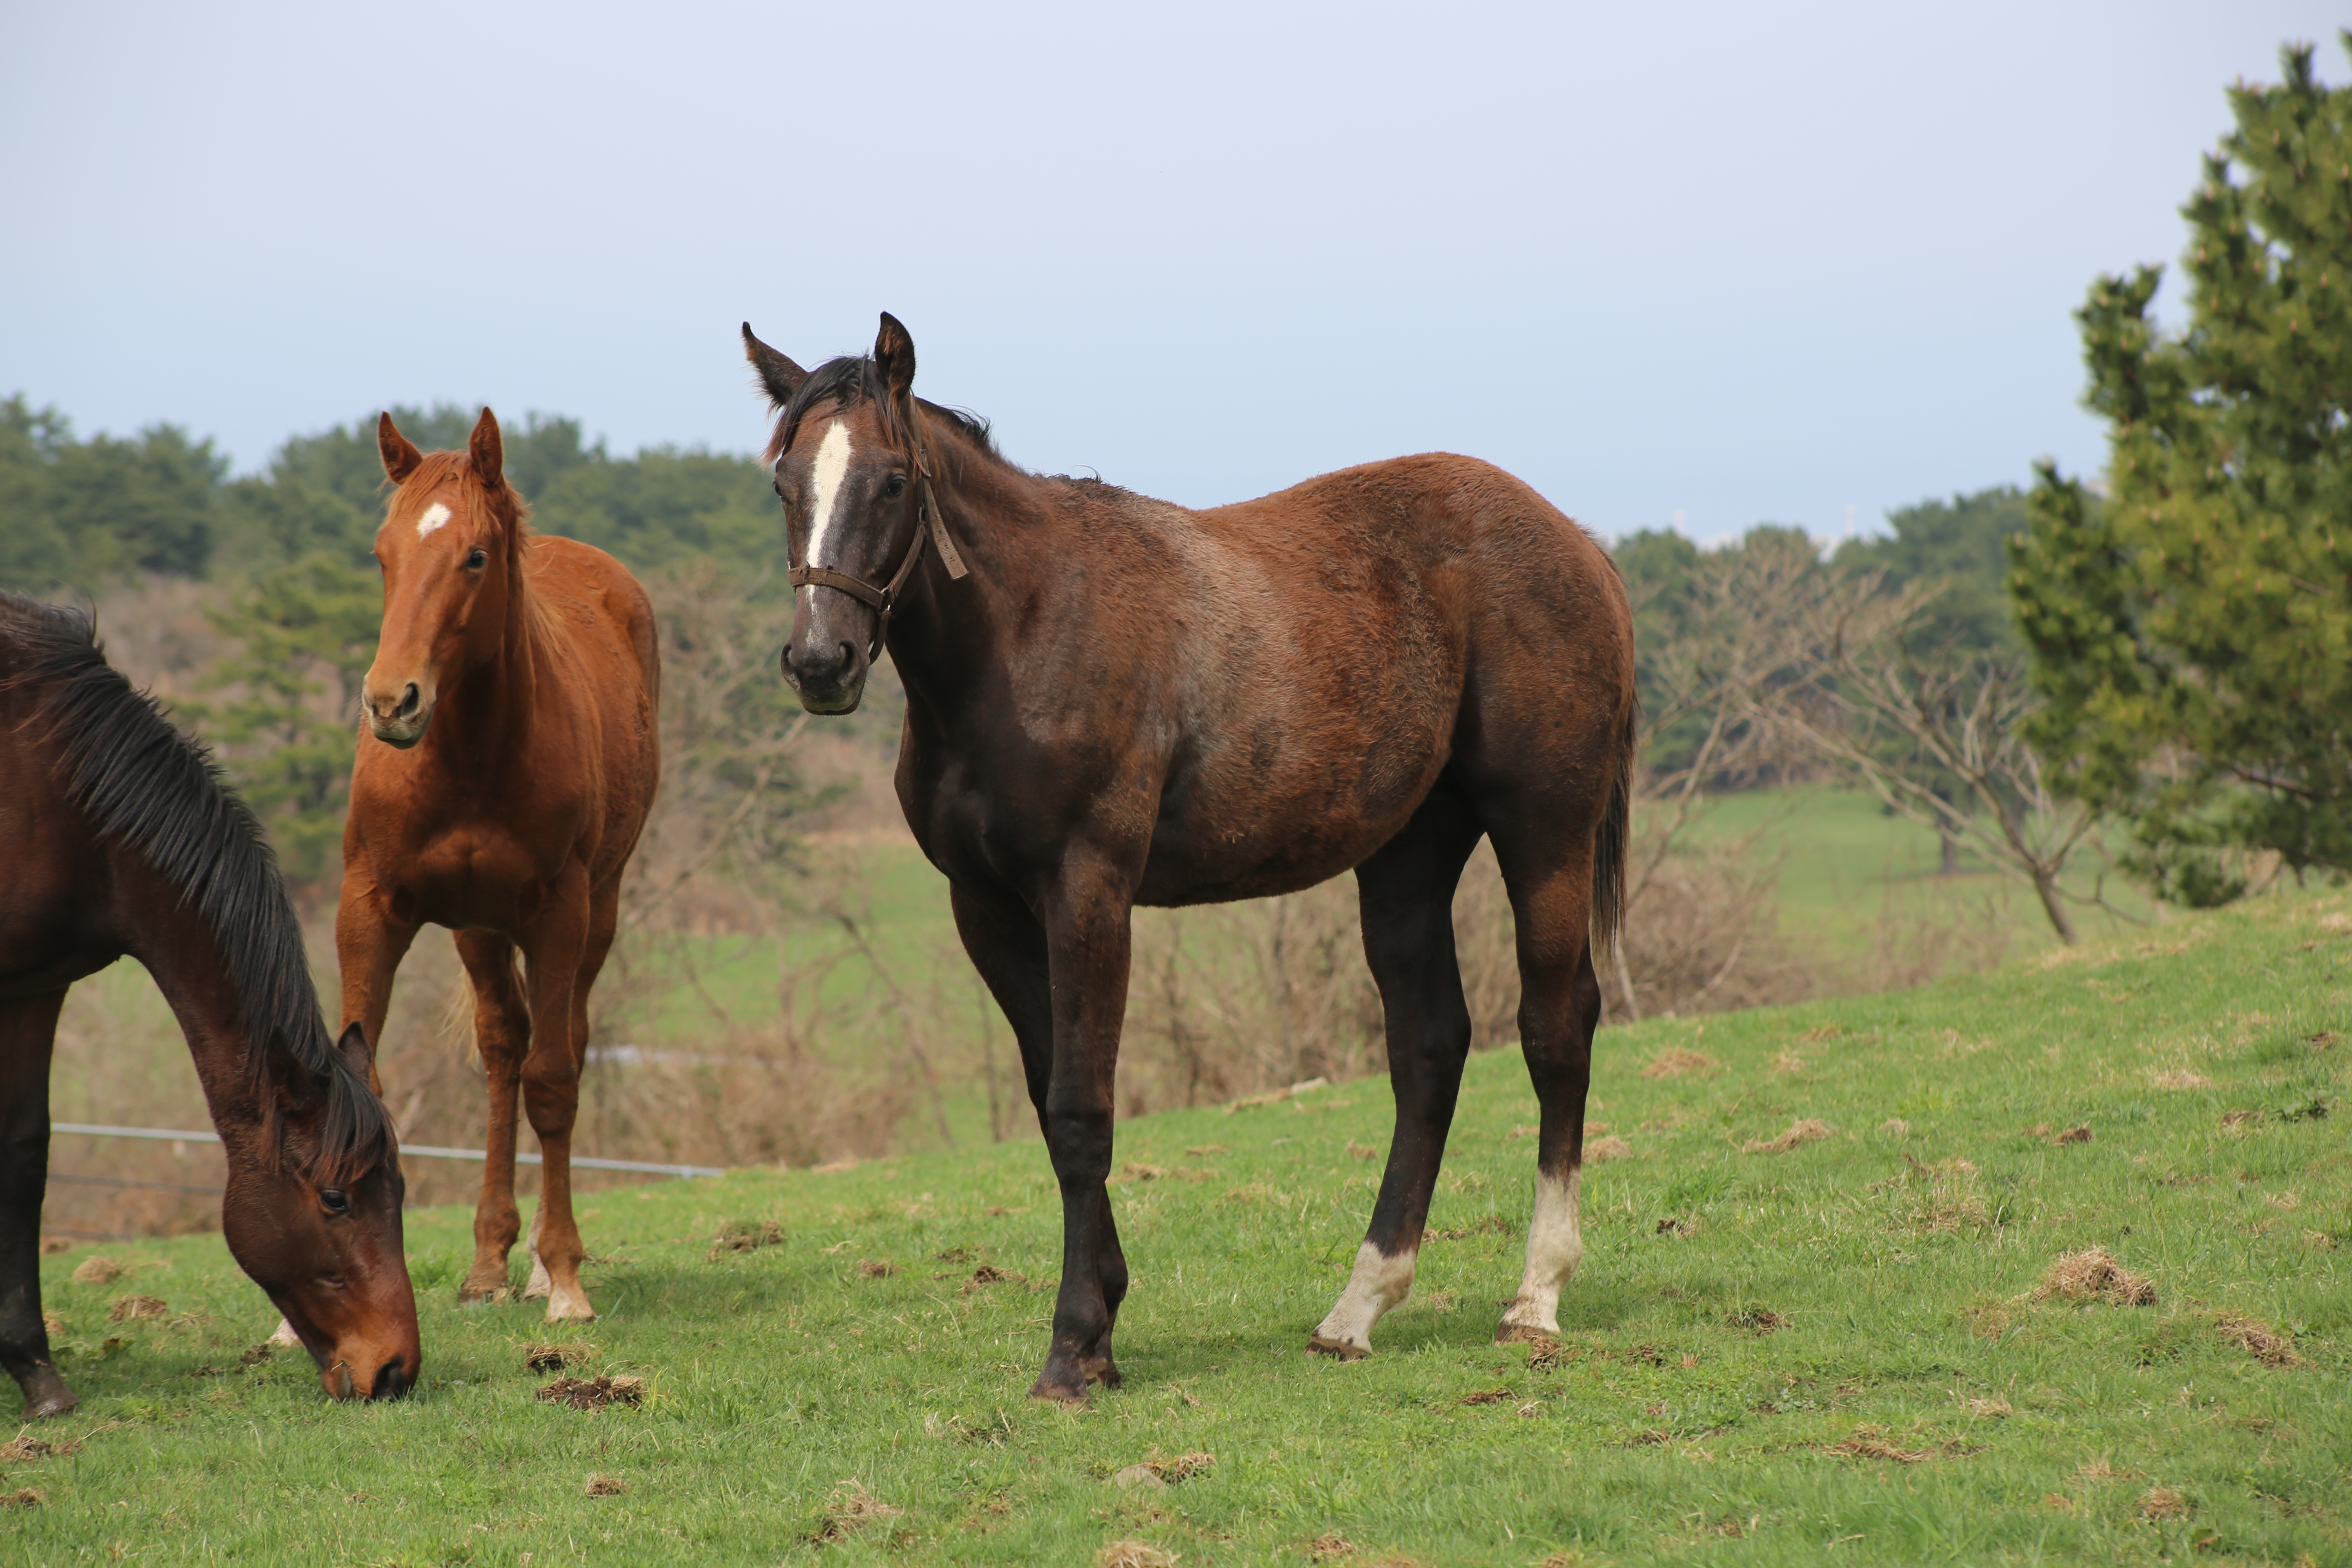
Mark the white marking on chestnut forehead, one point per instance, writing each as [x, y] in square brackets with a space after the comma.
[832, 468]
[434, 516]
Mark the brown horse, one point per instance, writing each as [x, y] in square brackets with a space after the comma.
[119, 839]
[512, 764]
[1126, 702]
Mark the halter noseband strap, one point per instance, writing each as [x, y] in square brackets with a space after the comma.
[930, 525]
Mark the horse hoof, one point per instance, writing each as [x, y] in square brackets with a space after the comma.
[1519, 1333]
[482, 1296]
[1059, 1388]
[569, 1304]
[52, 1398]
[1102, 1370]
[1317, 1345]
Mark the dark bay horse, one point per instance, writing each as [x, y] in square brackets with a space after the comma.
[1111, 701]
[119, 839]
[512, 763]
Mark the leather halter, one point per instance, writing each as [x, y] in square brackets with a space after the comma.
[930, 525]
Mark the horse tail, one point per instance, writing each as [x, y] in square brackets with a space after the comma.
[1610, 844]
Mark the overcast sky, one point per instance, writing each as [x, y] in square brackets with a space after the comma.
[1711, 263]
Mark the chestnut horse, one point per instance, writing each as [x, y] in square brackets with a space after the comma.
[119, 839]
[512, 763]
[1119, 701]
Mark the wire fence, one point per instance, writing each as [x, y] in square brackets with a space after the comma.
[407, 1150]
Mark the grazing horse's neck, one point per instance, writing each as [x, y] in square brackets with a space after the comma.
[160, 932]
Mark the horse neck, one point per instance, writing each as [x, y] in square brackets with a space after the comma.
[185, 960]
[950, 638]
[494, 704]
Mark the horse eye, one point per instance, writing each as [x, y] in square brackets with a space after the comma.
[476, 559]
[895, 487]
[334, 1201]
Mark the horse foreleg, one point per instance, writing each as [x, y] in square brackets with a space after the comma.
[502, 1035]
[1560, 1007]
[1079, 993]
[1405, 892]
[28, 1028]
[1008, 947]
[556, 948]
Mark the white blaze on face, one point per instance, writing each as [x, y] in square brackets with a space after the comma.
[832, 468]
[434, 516]
[1555, 1247]
[1379, 1283]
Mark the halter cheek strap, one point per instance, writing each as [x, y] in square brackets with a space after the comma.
[930, 527]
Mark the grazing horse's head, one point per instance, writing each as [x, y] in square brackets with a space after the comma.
[450, 547]
[315, 1220]
[846, 468]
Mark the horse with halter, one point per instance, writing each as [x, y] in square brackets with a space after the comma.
[119, 839]
[1111, 701]
[511, 766]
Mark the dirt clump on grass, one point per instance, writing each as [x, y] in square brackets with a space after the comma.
[97, 1269]
[2162, 1503]
[1872, 1443]
[1678, 1062]
[2259, 1341]
[745, 1236]
[24, 1498]
[595, 1393]
[24, 1449]
[1331, 1547]
[607, 1486]
[1805, 1132]
[875, 1268]
[136, 1309]
[2091, 1275]
[1609, 1148]
[556, 1358]
[1135, 1554]
[1759, 1320]
[851, 1508]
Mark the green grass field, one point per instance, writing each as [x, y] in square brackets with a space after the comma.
[1827, 1353]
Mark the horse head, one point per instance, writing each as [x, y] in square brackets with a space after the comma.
[314, 1218]
[451, 548]
[850, 466]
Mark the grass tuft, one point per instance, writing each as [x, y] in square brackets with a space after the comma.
[2091, 1275]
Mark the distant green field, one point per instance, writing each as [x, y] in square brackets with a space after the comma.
[1782, 1349]
[1843, 863]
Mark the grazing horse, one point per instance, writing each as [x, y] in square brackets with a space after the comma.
[119, 839]
[1119, 701]
[507, 766]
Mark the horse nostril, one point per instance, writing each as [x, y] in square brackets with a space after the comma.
[391, 1380]
[848, 655]
[408, 700]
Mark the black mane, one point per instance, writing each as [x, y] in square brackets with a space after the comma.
[158, 794]
[855, 378]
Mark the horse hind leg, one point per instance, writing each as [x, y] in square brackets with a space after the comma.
[1406, 895]
[1560, 1007]
[502, 1036]
[28, 1028]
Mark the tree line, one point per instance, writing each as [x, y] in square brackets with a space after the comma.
[2168, 650]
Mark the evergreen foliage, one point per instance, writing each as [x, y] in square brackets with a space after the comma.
[2192, 634]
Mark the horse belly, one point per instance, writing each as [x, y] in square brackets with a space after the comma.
[1274, 818]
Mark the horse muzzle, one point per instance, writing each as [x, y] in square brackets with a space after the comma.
[399, 719]
[828, 674]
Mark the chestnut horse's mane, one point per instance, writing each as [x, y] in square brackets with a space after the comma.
[158, 794]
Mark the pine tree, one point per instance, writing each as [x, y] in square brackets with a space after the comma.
[2192, 632]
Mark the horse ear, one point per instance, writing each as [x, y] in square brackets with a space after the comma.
[489, 453]
[778, 373]
[353, 1047]
[894, 351]
[400, 457]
